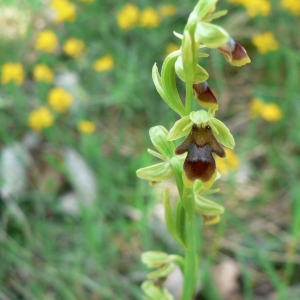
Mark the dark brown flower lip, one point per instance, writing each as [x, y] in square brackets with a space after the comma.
[200, 145]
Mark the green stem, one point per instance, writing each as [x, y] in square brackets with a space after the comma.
[188, 98]
[191, 260]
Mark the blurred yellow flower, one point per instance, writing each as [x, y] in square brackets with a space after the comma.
[74, 47]
[271, 112]
[86, 1]
[171, 48]
[64, 10]
[256, 107]
[59, 99]
[43, 73]
[86, 127]
[46, 41]
[12, 72]
[167, 10]
[254, 7]
[128, 17]
[230, 163]
[149, 18]
[104, 63]
[40, 118]
[265, 42]
[292, 5]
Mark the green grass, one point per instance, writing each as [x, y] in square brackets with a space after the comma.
[49, 253]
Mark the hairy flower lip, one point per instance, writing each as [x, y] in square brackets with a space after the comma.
[200, 145]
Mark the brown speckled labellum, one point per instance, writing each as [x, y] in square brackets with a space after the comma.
[200, 145]
[205, 96]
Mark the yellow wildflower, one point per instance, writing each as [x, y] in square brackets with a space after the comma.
[254, 7]
[43, 73]
[257, 7]
[13, 72]
[271, 112]
[149, 18]
[40, 118]
[256, 107]
[171, 48]
[292, 5]
[167, 10]
[104, 63]
[74, 47]
[128, 17]
[86, 127]
[230, 163]
[64, 10]
[46, 41]
[265, 42]
[60, 99]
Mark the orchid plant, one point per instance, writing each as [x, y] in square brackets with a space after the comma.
[192, 163]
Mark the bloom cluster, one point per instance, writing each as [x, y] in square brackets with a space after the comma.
[270, 111]
[254, 7]
[131, 16]
[292, 6]
[265, 42]
[193, 162]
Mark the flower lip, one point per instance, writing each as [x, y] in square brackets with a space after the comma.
[200, 144]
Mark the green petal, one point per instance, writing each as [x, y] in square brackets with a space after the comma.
[163, 271]
[157, 172]
[181, 128]
[155, 259]
[211, 35]
[222, 133]
[158, 135]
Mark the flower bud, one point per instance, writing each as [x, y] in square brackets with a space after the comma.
[205, 96]
[234, 53]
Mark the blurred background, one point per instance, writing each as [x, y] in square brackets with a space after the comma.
[76, 103]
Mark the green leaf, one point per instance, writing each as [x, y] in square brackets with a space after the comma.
[222, 133]
[169, 83]
[199, 117]
[181, 128]
[174, 104]
[211, 35]
[158, 172]
[207, 207]
[158, 135]
[180, 222]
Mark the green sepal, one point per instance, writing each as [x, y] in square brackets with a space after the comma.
[168, 82]
[158, 172]
[163, 271]
[200, 117]
[155, 292]
[189, 57]
[155, 259]
[158, 135]
[211, 35]
[156, 154]
[204, 7]
[181, 128]
[165, 91]
[222, 133]
[206, 207]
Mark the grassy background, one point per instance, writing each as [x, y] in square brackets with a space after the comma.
[48, 251]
